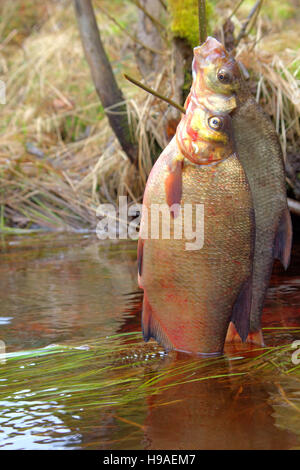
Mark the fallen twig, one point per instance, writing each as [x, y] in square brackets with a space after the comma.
[157, 23]
[253, 14]
[133, 38]
[155, 93]
[202, 21]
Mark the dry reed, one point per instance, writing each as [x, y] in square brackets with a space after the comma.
[58, 157]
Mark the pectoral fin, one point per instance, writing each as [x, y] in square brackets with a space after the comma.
[256, 337]
[151, 326]
[283, 240]
[173, 185]
[241, 310]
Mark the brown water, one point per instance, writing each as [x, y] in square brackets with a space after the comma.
[76, 375]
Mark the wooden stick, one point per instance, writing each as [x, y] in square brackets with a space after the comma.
[202, 21]
[163, 4]
[155, 93]
[235, 9]
[157, 23]
[103, 77]
[133, 38]
[253, 13]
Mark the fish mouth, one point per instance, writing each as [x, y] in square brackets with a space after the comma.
[211, 47]
[223, 103]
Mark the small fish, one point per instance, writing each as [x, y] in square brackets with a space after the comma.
[218, 83]
[204, 145]
[190, 295]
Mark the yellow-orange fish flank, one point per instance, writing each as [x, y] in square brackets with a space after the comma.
[190, 295]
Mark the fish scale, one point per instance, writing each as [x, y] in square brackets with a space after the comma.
[260, 154]
[191, 293]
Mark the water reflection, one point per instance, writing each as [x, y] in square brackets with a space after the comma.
[63, 289]
[213, 414]
[102, 387]
[36, 428]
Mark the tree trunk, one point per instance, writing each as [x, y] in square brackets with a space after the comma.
[103, 77]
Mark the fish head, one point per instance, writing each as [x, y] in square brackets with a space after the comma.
[217, 77]
[205, 137]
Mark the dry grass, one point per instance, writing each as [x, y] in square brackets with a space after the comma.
[277, 81]
[58, 156]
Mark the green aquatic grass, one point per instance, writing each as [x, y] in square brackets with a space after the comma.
[121, 369]
[110, 384]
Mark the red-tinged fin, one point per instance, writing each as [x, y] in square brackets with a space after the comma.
[232, 335]
[151, 327]
[173, 187]
[283, 240]
[255, 337]
[241, 310]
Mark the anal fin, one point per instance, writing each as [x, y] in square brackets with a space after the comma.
[283, 240]
[255, 337]
[152, 328]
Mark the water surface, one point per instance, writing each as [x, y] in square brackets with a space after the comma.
[77, 375]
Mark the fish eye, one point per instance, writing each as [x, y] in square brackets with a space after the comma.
[215, 123]
[224, 76]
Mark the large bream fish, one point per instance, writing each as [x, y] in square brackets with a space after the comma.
[218, 85]
[190, 295]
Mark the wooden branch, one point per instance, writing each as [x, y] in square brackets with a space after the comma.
[202, 21]
[133, 38]
[155, 93]
[157, 23]
[235, 9]
[163, 4]
[104, 80]
[253, 13]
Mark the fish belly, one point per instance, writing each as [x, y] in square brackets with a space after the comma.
[191, 292]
